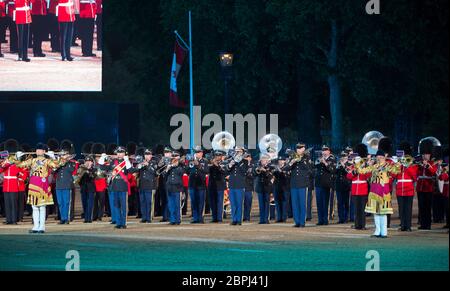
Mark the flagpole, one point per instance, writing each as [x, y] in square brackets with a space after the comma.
[191, 105]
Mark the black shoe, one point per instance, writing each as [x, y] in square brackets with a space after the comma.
[124, 227]
[308, 219]
[172, 223]
[67, 222]
[2, 55]
[69, 59]
[63, 59]
[41, 231]
[383, 236]
[424, 227]
[112, 222]
[89, 55]
[85, 221]
[118, 227]
[320, 223]
[214, 221]
[32, 231]
[62, 222]
[27, 60]
[296, 225]
[233, 223]
[375, 235]
[143, 221]
[163, 220]
[39, 55]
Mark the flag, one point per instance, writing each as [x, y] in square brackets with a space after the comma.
[178, 58]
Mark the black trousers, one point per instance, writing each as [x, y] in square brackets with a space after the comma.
[54, 33]
[76, 25]
[405, 205]
[20, 205]
[438, 207]
[446, 209]
[2, 202]
[12, 35]
[86, 33]
[65, 35]
[425, 199]
[359, 202]
[11, 206]
[38, 28]
[99, 205]
[99, 23]
[23, 36]
[3, 26]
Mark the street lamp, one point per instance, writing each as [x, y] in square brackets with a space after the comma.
[226, 63]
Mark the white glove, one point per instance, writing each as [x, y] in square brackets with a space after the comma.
[102, 159]
[19, 155]
[51, 154]
[127, 162]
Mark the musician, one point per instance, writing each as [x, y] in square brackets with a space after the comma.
[300, 167]
[358, 173]
[281, 190]
[11, 24]
[198, 169]
[65, 11]
[22, 17]
[147, 185]
[119, 185]
[64, 184]
[162, 191]
[88, 11]
[174, 185]
[342, 188]
[326, 168]
[53, 26]
[22, 197]
[87, 186]
[10, 182]
[249, 187]
[437, 207]
[100, 184]
[237, 169]
[379, 199]
[38, 27]
[39, 195]
[216, 186]
[444, 178]
[263, 187]
[405, 186]
[309, 197]
[425, 184]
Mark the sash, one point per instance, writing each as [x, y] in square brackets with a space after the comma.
[118, 171]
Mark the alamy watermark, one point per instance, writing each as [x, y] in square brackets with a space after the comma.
[251, 125]
[74, 260]
[374, 261]
[373, 7]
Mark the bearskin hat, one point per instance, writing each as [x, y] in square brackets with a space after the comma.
[131, 148]
[140, 151]
[26, 148]
[98, 148]
[53, 144]
[385, 144]
[437, 153]
[361, 150]
[86, 148]
[11, 145]
[426, 147]
[406, 147]
[110, 148]
[67, 146]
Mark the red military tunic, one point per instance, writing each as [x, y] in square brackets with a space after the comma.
[99, 6]
[10, 173]
[444, 177]
[2, 9]
[132, 182]
[52, 6]
[38, 7]
[425, 181]
[405, 180]
[88, 9]
[10, 7]
[23, 176]
[65, 11]
[186, 180]
[100, 184]
[22, 12]
[360, 187]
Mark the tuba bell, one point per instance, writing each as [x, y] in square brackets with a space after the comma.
[270, 145]
[223, 141]
[371, 140]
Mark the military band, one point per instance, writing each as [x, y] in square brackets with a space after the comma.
[30, 22]
[368, 180]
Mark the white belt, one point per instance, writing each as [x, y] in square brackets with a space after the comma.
[404, 180]
[359, 182]
[65, 4]
[425, 177]
[9, 177]
[86, 1]
[445, 183]
[22, 8]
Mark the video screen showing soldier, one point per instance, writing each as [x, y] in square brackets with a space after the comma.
[51, 45]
